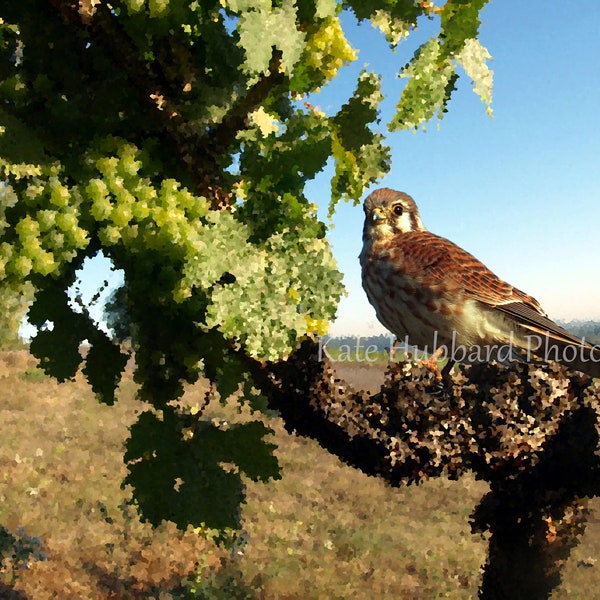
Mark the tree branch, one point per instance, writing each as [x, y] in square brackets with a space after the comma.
[531, 431]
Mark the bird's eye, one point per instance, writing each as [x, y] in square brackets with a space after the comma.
[398, 209]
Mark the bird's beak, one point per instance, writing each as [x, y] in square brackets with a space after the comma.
[377, 215]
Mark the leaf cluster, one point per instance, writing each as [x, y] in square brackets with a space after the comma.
[177, 138]
[195, 477]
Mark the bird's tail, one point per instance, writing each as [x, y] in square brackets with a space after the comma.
[577, 355]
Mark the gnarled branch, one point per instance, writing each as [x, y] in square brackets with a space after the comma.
[531, 431]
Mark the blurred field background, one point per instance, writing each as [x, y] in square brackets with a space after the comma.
[324, 531]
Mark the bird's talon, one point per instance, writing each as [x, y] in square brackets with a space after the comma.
[431, 364]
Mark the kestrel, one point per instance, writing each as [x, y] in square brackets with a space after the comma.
[433, 295]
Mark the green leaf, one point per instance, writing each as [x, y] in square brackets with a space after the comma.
[60, 334]
[361, 157]
[57, 349]
[254, 398]
[403, 11]
[246, 447]
[430, 80]
[104, 364]
[61, 364]
[260, 31]
[230, 373]
[394, 28]
[18, 143]
[267, 306]
[460, 22]
[432, 72]
[473, 58]
[362, 110]
[182, 478]
[170, 481]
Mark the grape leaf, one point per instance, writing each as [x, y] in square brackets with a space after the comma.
[430, 75]
[104, 364]
[473, 58]
[360, 155]
[56, 348]
[182, 478]
[260, 31]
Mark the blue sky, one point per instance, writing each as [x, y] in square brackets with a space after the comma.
[520, 191]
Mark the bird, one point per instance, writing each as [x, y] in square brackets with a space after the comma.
[438, 298]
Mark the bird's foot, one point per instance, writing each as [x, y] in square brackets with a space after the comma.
[443, 384]
[431, 363]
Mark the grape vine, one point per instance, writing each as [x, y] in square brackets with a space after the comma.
[177, 138]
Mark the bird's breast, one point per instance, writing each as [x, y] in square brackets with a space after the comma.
[421, 312]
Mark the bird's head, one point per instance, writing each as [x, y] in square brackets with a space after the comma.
[389, 213]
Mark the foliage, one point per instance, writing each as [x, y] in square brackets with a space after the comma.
[196, 485]
[116, 315]
[15, 299]
[18, 549]
[177, 137]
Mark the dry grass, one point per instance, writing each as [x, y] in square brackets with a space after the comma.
[61, 468]
[324, 531]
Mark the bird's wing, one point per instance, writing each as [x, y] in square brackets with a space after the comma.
[538, 323]
[436, 261]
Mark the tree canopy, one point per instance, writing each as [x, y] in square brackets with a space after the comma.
[176, 137]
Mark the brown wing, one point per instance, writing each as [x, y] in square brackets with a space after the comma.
[436, 261]
[538, 323]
